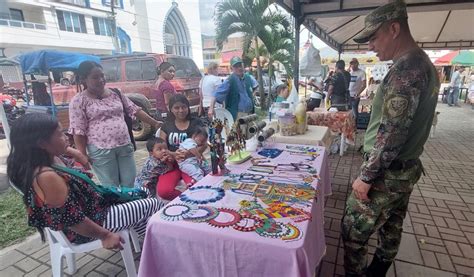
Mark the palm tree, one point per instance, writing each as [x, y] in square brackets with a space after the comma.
[248, 17]
[279, 44]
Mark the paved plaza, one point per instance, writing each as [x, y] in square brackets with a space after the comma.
[438, 234]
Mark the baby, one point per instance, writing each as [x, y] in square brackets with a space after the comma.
[158, 163]
[282, 93]
[195, 166]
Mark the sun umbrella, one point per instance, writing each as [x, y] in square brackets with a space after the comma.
[463, 57]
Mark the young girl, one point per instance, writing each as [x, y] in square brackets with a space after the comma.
[282, 92]
[158, 163]
[62, 201]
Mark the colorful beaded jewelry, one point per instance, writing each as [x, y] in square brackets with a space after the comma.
[243, 224]
[235, 217]
[294, 232]
[186, 210]
[270, 152]
[193, 193]
[273, 229]
[197, 216]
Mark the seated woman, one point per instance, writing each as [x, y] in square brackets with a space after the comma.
[59, 200]
[177, 127]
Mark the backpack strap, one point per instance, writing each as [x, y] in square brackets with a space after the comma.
[75, 173]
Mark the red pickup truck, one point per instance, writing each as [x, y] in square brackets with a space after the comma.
[135, 75]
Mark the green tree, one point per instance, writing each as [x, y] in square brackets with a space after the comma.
[279, 42]
[248, 17]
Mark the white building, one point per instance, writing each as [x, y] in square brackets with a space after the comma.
[158, 26]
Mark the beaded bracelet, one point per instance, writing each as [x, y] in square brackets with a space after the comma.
[218, 194]
[273, 229]
[210, 213]
[235, 218]
[293, 234]
[187, 211]
[257, 223]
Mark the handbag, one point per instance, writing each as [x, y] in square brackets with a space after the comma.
[112, 194]
[127, 118]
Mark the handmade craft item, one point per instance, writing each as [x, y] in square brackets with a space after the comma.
[294, 233]
[236, 143]
[176, 212]
[202, 214]
[266, 134]
[226, 218]
[275, 209]
[202, 195]
[248, 223]
[270, 191]
[270, 152]
[217, 147]
[273, 229]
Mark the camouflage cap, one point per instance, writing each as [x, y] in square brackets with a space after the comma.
[377, 17]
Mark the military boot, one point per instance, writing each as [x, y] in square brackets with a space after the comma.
[378, 268]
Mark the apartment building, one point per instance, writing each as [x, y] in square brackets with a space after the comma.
[159, 26]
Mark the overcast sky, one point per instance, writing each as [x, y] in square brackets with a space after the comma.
[207, 7]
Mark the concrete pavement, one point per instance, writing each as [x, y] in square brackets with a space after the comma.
[438, 234]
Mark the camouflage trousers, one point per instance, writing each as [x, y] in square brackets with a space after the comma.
[383, 213]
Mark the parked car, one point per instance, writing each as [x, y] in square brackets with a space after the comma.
[135, 75]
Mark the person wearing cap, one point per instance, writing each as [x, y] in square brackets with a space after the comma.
[455, 84]
[236, 91]
[356, 86]
[402, 113]
[338, 91]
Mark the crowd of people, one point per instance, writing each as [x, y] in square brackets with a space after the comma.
[402, 111]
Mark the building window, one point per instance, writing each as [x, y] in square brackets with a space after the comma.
[117, 3]
[16, 15]
[102, 26]
[82, 3]
[71, 22]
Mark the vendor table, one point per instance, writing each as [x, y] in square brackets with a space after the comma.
[247, 223]
[338, 122]
[315, 135]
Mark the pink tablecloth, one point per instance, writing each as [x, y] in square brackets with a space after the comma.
[184, 248]
[338, 122]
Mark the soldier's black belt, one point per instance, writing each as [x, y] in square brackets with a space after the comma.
[400, 165]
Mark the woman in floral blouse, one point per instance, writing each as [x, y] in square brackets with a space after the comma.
[96, 118]
[59, 200]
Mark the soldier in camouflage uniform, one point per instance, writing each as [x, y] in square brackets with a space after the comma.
[402, 112]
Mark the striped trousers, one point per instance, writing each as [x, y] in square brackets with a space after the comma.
[133, 214]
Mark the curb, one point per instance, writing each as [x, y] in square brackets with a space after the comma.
[27, 240]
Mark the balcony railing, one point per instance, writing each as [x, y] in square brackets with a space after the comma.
[22, 24]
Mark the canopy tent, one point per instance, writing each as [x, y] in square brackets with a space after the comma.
[463, 57]
[434, 24]
[42, 61]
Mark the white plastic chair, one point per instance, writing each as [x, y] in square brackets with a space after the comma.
[222, 114]
[60, 246]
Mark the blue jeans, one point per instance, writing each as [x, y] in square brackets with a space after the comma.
[114, 166]
[355, 107]
[453, 96]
